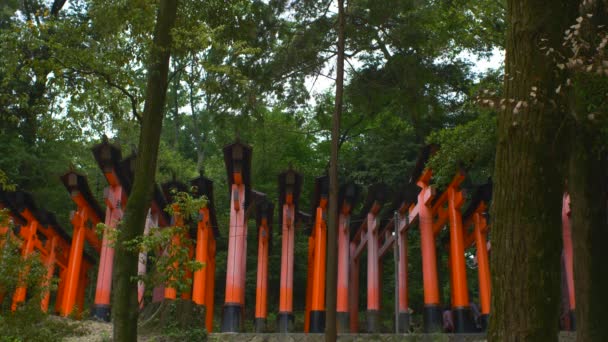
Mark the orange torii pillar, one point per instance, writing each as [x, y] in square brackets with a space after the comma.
[432, 315]
[568, 259]
[237, 157]
[319, 233]
[204, 279]
[353, 290]
[483, 264]
[309, 278]
[151, 221]
[290, 184]
[88, 211]
[108, 157]
[29, 234]
[49, 261]
[70, 291]
[475, 216]
[348, 195]
[264, 211]
[403, 281]
[373, 272]
[460, 298]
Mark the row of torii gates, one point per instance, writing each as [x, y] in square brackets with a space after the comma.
[419, 205]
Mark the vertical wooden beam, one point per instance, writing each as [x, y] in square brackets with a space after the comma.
[432, 310]
[568, 258]
[199, 286]
[309, 279]
[483, 268]
[342, 302]
[460, 299]
[317, 310]
[210, 286]
[261, 300]
[50, 270]
[102, 306]
[353, 303]
[151, 221]
[404, 314]
[237, 238]
[287, 249]
[74, 264]
[27, 248]
[373, 284]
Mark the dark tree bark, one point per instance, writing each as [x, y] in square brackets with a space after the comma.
[125, 306]
[332, 246]
[526, 241]
[588, 186]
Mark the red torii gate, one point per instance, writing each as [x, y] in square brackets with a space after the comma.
[290, 186]
[237, 157]
[366, 236]
[264, 215]
[38, 231]
[203, 285]
[108, 158]
[476, 216]
[89, 213]
[348, 196]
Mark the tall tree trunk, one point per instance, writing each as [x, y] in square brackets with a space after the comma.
[588, 186]
[526, 241]
[125, 306]
[332, 246]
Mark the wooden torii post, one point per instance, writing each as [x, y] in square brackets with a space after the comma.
[476, 216]
[264, 210]
[396, 231]
[290, 186]
[237, 157]
[347, 199]
[177, 220]
[108, 158]
[567, 257]
[29, 235]
[49, 239]
[367, 236]
[447, 207]
[203, 285]
[157, 217]
[318, 236]
[89, 213]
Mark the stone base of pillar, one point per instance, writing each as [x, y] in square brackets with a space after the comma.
[317, 321]
[483, 322]
[373, 321]
[432, 318]
[572, 320]
[463, 320]
[343, 322]
[260, 325]
[231, 319]
[285, 322]
[404, 322]
[101, 312]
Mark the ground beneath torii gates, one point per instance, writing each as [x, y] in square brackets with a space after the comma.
[102, 332]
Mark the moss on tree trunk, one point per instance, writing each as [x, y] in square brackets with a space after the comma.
[526, 239]
[125, 307]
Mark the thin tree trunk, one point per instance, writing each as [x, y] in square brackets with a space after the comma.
[588, 188]
[526, 243]
[332, 246]
[125, 306]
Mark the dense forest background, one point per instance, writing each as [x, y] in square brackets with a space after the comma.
[73, 71]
